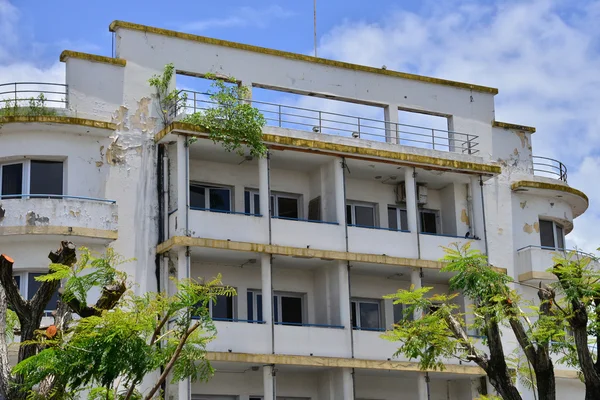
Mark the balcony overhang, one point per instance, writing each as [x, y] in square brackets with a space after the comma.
[283, 139]
[575, 198]
[56, 123]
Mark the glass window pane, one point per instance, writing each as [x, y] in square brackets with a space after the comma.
[259, 313]
[197, 197]
[428, 222]
[220, 200]
[247, 202]
[46, 177]
[547, 233]
[403, 220]
[349, 215]
[250, 305]
[287, 207]
[353, 316]
[12, 179]
[369, 315]
[291, 309]
[365, 215]
[393, 218]
[398, 313]
[560, 237]
[33, 286]
[256, 204]
[222, 307]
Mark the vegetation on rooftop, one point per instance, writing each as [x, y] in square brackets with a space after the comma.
[32, 107]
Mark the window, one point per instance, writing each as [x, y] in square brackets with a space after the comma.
[213, 198]
[35, 177]
[397, 219]
[360, 214]
[222, 308]
[283, 205]
[366, 314]
[288, 308]
[400, 311]
[429, 220]
[28, 286]
[552, 235]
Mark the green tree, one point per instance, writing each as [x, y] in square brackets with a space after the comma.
[120, 340]
[441, 330]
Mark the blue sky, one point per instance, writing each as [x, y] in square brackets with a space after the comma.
[543, 55]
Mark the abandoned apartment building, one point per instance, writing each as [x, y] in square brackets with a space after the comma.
[369, 172]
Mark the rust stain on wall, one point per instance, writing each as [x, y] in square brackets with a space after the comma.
[115, 153]
[99, 164]
[527, 228]
[75, 213]
[524, 139]
[464, 217]
[500, 231]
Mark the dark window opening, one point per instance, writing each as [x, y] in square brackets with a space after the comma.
[46, 178]
[360, 215]
[287, 207]
[222, 307]
[366, 315]
[12, 179]
[291, 310]
[397, 216]
[254, 300]
[314, 209]
[33, 286]
[547, 233]
[210, 198]
[428, 222]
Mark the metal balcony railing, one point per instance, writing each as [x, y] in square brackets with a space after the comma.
[549, 167]
[20, 94]
[319, 121]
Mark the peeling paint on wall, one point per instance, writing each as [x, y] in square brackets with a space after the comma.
[500, 231]
[99, 164]
[523, 204]
[34, 219]
[524, 139]
[527, 228]
[536, 226]
[141, 120]
[119, 118]
[464, 217]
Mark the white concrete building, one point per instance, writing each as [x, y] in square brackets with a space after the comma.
[346, 208]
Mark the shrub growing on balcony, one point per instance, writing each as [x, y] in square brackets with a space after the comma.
[36, 106]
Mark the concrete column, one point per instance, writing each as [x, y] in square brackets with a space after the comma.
[268, 383]
[390, 113]
[267, 296]
[183, 271]
[263, 186]
[344, 296]
[182, 185]
[348, 385]
[416, 281]
[340, 201]
[411, 201]
[477, 217]
[469, 317]
[422, 386]
[183, 390]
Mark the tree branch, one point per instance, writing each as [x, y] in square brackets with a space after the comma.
[109, 298]
[159, 328]
[10, 286]
[5, 376]
[459, 334]
[172, 361]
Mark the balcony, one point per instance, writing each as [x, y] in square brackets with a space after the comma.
[308, 340]
[229, 333]
[381, 241]
[32, 98]
[304, 233]
[318, 121]
[533, 262]
[549, 168]
[58, 215]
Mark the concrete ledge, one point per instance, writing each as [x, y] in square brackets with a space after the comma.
[115, 25]
[358, 152]
[66, 54]
[334, 362]
[537, 275]
[506, 125]
[578, 201]
[59, 119]
[58, 230]
[186, 241]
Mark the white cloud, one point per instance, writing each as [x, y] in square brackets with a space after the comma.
[543, 56]
[240, 18]
[9, 16]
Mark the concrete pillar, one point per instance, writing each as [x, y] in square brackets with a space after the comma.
[469, 317]
[183, 390]
[183, 271]
[416, 281]
[477, 217]
[340, 201]
[348, 384]
[344, 296]
[411, 201]
[267, 296]
[263, 186]
[422, 386]
[268, 383]
[182, 185]
[390, 114]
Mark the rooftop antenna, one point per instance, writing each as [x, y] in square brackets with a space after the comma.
[315, 24]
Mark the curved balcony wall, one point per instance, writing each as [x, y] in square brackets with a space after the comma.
[58, 215]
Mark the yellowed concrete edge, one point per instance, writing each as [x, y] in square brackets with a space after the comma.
[66, 54]
[300, 57]
[59, 119]
[506, 125]
[401, 158]
[186, 241]
[549, 186]
[566, 374]
[58, 230]
[537, 275]
[335, 362]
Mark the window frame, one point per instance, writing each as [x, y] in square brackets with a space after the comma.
[353, 204]
[354, 301]
[207, 187]
[438, 221]
[555, 227]
[26, 176]
[273, 204]
[252, 206]
[277, 299]
[251, 316]
[398, 211]
[234, 309]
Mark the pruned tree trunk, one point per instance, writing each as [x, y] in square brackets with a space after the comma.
[5, 376]
[497, 370]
